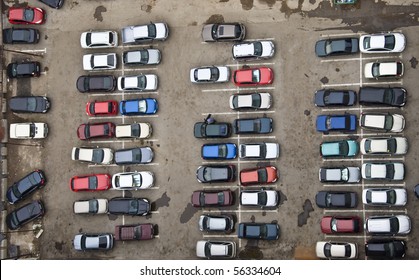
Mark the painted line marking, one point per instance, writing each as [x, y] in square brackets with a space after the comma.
[220, 235]
[366, 185]
[112, 165]
[241, 137]
[364, 211]
[360, 58]
[260, 89]
[359, 109]
[120, 117]
[237, 161]
[240, 211]
[361, 134]
[234, 113]
[360, 159]
[122, 141]
[250, 64]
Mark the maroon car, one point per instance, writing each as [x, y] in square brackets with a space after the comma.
[340, 224]
[134, 232]
[212, 198]
[95, 130]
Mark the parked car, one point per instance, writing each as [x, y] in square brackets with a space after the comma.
[90, 182]
[28, 130]
[216, 173]
[96, 83]
[336, 46]
[340, 224]
[263, 231]
[385, 96]
[219, 151]
[95, 130]
[212, 198]
[384, 146]
[212, 130]
[215, 249]
[102, 108]
[137, 155]
[96, 39]
[336, 250]
[258, 175]
[25, 186]
[263, 49]
[56, 4]
[99, 61]
[20, 36]
[339, 148]
[92, 155]
[384, 196]
[393, 171]
[91, 206]
[140, 106]
[253, 76]
[145, 33]
[330, 123]
[223, 32]
[129, 206]
[134, 130]
[259, 151]
[137, 180]
[384, 69]
[134, 232]
[388, 225]
[26, 15]
[253, 125]
[85, 241]
[27, 69]
[261, 198]
[25, 214]
[333, 97]
[141, 82]
[384, 122]
[388, 42]
[336, 199]
[340, 175]
[387, 249]
[254, 101]
[141, 57]
[29, 104]
[210, 74]
[216, 223]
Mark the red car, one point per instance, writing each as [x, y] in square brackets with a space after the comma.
[102, 108]
[94, 130]
[253, 76]
[258, 175]
[212, 198]
[339, 224]
[90, 183]
[26, 15]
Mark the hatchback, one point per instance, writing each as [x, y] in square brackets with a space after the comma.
[98, 39]
[339, 174]
[91, 206]
[336, 250]
[253, 76]
[102, 108]
[340, 224]
[260, 198]
[138, 155]
[329, 123]
[25, 214]
[29, 104]
[384, 146]
[96, 83]
[216, 173]
[56, 4]
[90, 182]
[215, 249]
[385, 69]
[141, 82]
[26, 15]
[219, 151]
[260, 151]
[95, 130]
[333, 97]
[339, 148]
[26, 185]
[137, 180]
[253, 125]
[385, 249]
[216, 223]
[223, 32]
[99, 61]
[210, 74]
[212, 130]
[258, 175]
[26, 69]
[141, 106]
[212, 198]
[262, 231]
[84, 241]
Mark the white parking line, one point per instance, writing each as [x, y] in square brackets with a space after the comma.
[244, 113]
[365, 185]
[137, 69]
[219, 187]
[360, 134]
[154, 212]
[120, 117]
[259, 89]
[251, 64]
[340, 35]
[360, 58]
[378, 211]
[389, 158]
[354, 236]
[126, 93]
[246, 137]
[359, 109]
[44, 73]
[382, 83]
[139, 46]
[340, 85]
[239, 211]
[31, 51]
[112, 165]
[122, 141]
[219, 235]
[236, 161]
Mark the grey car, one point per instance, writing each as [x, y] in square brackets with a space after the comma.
[223, 32]
[216, 173]
[142, 57]
[254, 125]
[337, 46]
[333, 97]
[340, 175]
[134, 155]
[262, 231]
[29, 104]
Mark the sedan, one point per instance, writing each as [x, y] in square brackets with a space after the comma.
[134, 130]
[253, 126]
[141, 82]
[102, 108]
[223, 32]
[390, 42]
[340, 175]
[91, 206]
[260, 198]
[384, 122]
[92, 155]
[384, 196]
[84, 241]
[253, 76]
[25, 214]
[29, 104]
[328, 123]
[384, 146]
[385, 249]
[260, 151]
[216, 173]
[56, 4]
[212, 130]
[132, 180]
[258, 175]
[20, 36]
[23, 69]
[26, 185]
[393, 171]
[98, 39]
[340, 224]
[214, 249]
[337, 46]
[145, 33]
[251, 101]
[210, 74]
[216, 223]
[90, 183]
[141, 57]
[332, 97]
[95, 130]
[138, 155]
[141, 106]
[26, 15]
[261, 231]
[385, 69]
[384, 96]
[129, 206]
[212, 198]
[336, 199]
[339, 148]
[96, 83]
[253, 50]
[99, 61]
[219, 151]
[336, 250]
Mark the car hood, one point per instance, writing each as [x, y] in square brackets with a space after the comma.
[161, 31]
[152, 82]
[398, 123]
[154, 56]
[272, 150]
[404, 224]
[148, 180]
[224, 74]
[320, 48]
[354, 175]
[402, 145]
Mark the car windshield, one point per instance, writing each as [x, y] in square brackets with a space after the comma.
[92, 107]
[367, 44]
[255, 76]
[263, 231]
[391, 197]
[28, 14]
[389, 171]
[221, 198]
[142, 106]
[368, 170]
[89, 39]
[103, 242]
[207, 174]
[262, 175]
[390, 42]
[388, 96]
[31, 104]
[92, 182]
[329, 49]
[394, 224]
[367, 145]
[344, 148]
[151, 31]
[391, 145]
[141, 82]
[215, 73]
[136, 155]
[110, 37]
[256, 100]
[345, 174]
[388, 123]
[376, 69]
[143, 56]
[111, 60]
[222, 151]
[135, 129]
[32, 130]
[93, 206]
[262, 198]
[334, 224]
[257, 48]
[98, 155]
[133, 207]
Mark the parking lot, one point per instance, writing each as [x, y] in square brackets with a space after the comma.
[298, 73]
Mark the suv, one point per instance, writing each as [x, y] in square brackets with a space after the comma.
[139, 155]
[385, 249]
[215, 249]
[340, 175]
[99, 61]
[385, 122]
[99, 39]
[141, 57]
[259, 151]
[386, 96]
[23, 69]
[262, 231]
[387, 69]
[217, 223]
[383, 171]
[28, 130]
[253, 50]
[388, 225]
[25, 186]
[223, 32]
[256, 126]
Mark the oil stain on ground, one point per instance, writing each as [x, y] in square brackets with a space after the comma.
[98, 13]
[251, 251]
[215, 19]
[302, 217]
[188, 213]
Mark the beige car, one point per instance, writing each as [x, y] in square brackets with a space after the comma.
[134, 130]
[91, 206]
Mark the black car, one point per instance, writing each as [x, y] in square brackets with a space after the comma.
[25, 214]
[129, 206]
[99, 83]
[24, 69]
[337, 46]
[255, 125]
[216, 173]
[258, 231]
[332, 97]
[29, 104]
[137, 155]
[20, 36]
[212, 130]
[336, 199]
[56, 4]
[25, 186]
[385, 249]
[383, 96]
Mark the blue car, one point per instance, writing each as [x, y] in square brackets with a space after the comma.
[340, 148]
[219, 151]
[258, 231]
[142, 106]
[325, 123]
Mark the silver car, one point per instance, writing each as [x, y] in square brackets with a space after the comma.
[142, 57]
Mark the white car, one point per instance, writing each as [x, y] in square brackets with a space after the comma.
[210, 74]
[141, 82]
[142, 57]
[385, 69]
[133, 130]
[259, 151]
[87, 241]
[91, 206]
[133, 180]
[99, 61]
[28, 130]
[383, 171]
[388, 225]
[251, 101]
[145, 33]
[216, 223]
[391, 42]
[253, 50]
[215, 249]
[340, 175]
[261, 198]
[384, 197]
[382, 146]
[385, 122]
[99, 39]
[93, 155]
[336, 250]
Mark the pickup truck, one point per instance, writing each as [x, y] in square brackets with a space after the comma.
[144, 33]
[134, 232]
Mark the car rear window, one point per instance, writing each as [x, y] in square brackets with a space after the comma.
[92, 182]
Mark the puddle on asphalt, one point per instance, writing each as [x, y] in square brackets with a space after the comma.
[215, 19]
[59, 245]
[98, 13]
[188, 213]
[246, 4]
[163, 201]
[413, 62]
[302, 217]
[324, 80]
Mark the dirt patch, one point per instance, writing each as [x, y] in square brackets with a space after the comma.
[98, 13]
[215, 19]
[246, 4]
